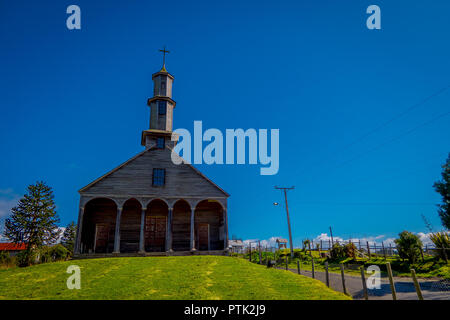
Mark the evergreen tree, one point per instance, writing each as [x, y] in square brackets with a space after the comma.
[68, 238]
[33, 221]
[443, 187]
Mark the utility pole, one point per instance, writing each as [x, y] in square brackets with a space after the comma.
[331, 234]
[287, 213]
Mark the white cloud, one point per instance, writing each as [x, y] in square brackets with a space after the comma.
[269, 243]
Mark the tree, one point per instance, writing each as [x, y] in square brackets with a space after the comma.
[33, 221]
[443, 188]
[408, 246]
[68, 238]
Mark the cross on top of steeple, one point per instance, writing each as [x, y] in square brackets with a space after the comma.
[164, 51]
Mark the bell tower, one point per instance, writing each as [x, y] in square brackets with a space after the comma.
[161, 110]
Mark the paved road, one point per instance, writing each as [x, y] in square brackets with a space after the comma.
[432, 289]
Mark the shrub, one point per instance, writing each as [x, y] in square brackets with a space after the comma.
[350, 250]
[45, 255]
[59, 252]
[5, 258]
[26, 258]
[306, 244]
[441, 240]
[337, 252]
[408, 246]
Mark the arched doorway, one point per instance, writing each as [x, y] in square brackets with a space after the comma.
[156, 226]
[130, 225]
[181, 226]
[99, 222]
[209, 225]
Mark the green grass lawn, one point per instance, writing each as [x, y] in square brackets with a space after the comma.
[192, 277]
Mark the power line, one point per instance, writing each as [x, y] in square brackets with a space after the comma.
[386, 123]
[369, 203]
[398, 116]
[395, 138]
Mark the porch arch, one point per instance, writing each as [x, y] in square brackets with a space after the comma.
[155, 229]
[130, 223]
[209, 225]
[99, 223]
[181, 226]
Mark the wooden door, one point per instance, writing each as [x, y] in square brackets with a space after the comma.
[203, 236]
[155, 233]
[101, 237]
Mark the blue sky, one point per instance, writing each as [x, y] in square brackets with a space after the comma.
[73, 103]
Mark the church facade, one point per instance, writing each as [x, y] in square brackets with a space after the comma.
[149, 205]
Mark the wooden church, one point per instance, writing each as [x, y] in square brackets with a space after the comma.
[149, 205]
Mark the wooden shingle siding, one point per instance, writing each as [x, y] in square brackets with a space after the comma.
[135, 178]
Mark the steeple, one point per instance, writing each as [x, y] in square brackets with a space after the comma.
[161, 109]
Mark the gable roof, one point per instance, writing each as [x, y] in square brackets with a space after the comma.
[139, 155]
[112, 171]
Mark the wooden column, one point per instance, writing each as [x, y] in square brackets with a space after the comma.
[169, 231]
[79, 230]
[192, 242]
[225, 229]
[142, 235]
[117, 232]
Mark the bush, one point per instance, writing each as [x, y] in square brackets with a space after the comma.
[350, 250]
[5, 258]
[337, 252]
[45, 255]
[54, 253]
[442, 242]
[59, 252]
[26, 258]
[408, 246]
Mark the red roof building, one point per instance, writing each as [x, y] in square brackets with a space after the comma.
[12, 246]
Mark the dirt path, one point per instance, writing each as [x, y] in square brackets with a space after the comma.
[432, 289]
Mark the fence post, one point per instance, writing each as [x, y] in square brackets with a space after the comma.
[416, 284]
[287, 262]
[298, 267]
[343, 279]
[384, 251]
[312, 264]
[250, 253]
[363, 278]
[368, 249]
[359, 244]
[327, 276]
[260, 255]
[391, 281]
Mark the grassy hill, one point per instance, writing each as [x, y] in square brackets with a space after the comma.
[191, 277]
